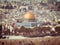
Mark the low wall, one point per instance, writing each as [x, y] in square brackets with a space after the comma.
[32, 41]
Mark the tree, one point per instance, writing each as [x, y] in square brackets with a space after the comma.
[57, 29]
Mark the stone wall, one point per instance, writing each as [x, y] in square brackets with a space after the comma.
[32, 41]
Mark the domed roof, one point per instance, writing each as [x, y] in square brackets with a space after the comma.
[29, 15]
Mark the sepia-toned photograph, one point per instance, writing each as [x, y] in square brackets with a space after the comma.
[29, 22]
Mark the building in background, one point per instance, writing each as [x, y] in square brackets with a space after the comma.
[51, 1]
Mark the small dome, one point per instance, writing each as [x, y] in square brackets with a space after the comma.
[29, 16]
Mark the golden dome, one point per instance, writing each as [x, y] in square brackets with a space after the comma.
[29, 15]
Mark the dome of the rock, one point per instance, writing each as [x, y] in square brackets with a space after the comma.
[29, 16]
